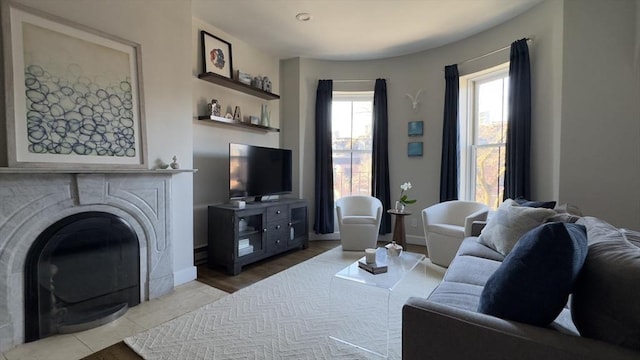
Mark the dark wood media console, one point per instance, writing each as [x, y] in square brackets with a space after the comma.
[237, 237]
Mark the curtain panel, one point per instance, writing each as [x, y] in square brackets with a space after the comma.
[518, 145]
[380, 153]
[324, 218]
[450, 135]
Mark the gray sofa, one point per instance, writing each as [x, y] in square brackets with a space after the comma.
[447, 325]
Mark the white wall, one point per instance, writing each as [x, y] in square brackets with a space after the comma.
[425, 71]
[166, 58]
[600, 162]
[211, 140]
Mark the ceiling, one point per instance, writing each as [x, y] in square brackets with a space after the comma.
[354, 29]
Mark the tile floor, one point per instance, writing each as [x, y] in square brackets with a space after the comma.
[185, 298]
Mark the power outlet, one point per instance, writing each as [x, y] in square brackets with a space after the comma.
[414, 222]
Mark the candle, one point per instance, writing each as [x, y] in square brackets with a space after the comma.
[370, 255]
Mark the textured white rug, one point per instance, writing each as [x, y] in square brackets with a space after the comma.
[288, 316]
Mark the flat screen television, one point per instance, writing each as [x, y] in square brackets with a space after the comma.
[256, 171]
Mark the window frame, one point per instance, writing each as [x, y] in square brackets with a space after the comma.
[469, 123]
[352, 96]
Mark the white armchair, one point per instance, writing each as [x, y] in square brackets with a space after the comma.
[359, 220]
[447, 224]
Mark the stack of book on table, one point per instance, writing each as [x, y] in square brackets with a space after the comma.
[377, 267]
[244, 247]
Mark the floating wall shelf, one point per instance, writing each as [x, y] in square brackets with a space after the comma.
[238, 86]
[236, 123]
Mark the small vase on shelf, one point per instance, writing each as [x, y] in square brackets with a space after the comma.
[399, 206]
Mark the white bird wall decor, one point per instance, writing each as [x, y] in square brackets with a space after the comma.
[415, 100]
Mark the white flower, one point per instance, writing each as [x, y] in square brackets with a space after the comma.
[406, 186]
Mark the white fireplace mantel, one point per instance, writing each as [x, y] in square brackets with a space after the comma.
[32, 199]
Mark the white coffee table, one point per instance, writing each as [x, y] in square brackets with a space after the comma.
[363, 299]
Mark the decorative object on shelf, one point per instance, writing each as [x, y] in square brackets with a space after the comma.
[216, 55]
[237, 116]
[254, 120]
[244, 78]
[52, 95]
[404, 200]
[174, 164]
[266, 84]
[415, 100]
[228, 116]
[393, 249]
[415, 128]
[162, 165]
[214, 108]
[265, 115]
[257, 82]
[414, 149]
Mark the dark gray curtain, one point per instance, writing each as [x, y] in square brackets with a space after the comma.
[450, 134]
[380, 166]
[517, 165]
[324, 166]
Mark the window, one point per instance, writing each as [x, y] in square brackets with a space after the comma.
[483, 114]
[352, 138]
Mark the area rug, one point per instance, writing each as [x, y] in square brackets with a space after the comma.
[290, 315]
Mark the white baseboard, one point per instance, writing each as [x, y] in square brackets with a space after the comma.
[183, 276]
[415, 240]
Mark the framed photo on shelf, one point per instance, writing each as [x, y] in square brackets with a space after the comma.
[415, 128]
[414, 149]
[216, 55]
[73, 94]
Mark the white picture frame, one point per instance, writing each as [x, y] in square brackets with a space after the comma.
[73, 94]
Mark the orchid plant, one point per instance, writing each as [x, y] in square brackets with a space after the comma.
[404, 199]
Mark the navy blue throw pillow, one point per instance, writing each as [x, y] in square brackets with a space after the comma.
[536, 204]
[533, 283]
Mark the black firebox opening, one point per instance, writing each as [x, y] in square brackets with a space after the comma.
[83, 268]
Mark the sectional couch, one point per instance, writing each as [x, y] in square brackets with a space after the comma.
[600, 321]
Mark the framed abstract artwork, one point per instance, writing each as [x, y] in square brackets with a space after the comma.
[415, 128]
[74, 94]
[216, 55]
[414, 149]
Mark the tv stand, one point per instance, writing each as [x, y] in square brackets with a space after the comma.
[238, 237]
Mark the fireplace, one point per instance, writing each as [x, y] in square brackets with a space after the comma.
[37, 204]
[81, 272]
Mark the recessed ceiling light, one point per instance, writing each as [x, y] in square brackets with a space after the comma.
[303, 16]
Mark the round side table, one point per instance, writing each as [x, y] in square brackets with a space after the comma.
[399, 235]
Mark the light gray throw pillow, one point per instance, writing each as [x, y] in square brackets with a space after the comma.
[509, 223]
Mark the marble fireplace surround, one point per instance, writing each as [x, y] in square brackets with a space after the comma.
[31, 200]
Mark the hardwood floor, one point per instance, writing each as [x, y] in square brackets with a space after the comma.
[250, 274]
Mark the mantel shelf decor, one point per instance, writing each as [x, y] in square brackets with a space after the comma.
[238, 86]
[230, 122]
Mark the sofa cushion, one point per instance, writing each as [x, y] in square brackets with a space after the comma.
[471, 270]
[459, 295]
[534, 281]
[606, 301]
[509, 223]
[563, 217]
[536, 204]
[471, 246]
